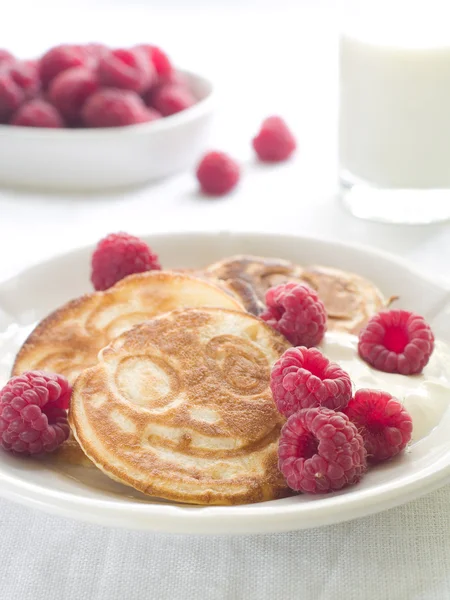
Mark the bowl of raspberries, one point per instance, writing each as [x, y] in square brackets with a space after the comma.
[89, 117]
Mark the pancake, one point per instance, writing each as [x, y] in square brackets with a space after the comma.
[180, 408]
[68, 340]
[350, 300]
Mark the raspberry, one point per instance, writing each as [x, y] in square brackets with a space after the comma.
[274, 141]
[6, 57]
[59, 59]
[33, 416]
[118, 255]
[26, 75]
[37, 113]
[125, 69]
[70, 89]
[172, 98]
[305, 378]
[93, 53]
[158, 59]
[11, 96]
[320, 451]
[217, 173]
[383, 422]
[396, 341]
[114, 108]
[173, 78]
[296, 311]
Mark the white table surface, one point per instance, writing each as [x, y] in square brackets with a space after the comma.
[264, 61]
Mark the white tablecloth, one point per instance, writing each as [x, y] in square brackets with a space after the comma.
[289, 57]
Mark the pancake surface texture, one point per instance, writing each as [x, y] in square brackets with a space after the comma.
[68, 340]
[350, 300]
[180, 408]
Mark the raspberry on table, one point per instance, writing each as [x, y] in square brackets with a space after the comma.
[383, 422]
[158, 59]
[118, 255]
[114, 108]
[11, 96]
[172, 98]
[297, 312]
[274, 141]
[33, 417]
[396, 341]
[59, 59]
[37, 113]
[305, 378]
[320, 451]
[125, 69]
[70, 89]
[217, 173]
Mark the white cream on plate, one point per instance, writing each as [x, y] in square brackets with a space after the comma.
[426, 396]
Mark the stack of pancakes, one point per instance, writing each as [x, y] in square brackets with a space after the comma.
[171, 375]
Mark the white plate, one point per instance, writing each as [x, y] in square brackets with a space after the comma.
[106, 158]
[88, 495]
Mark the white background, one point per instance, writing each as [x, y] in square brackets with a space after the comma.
[265, 57]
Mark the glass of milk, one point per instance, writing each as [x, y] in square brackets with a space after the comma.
[394, 112]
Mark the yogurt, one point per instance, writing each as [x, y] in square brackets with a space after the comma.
[426, 396]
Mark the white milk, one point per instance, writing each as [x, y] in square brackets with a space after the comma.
[394, 119]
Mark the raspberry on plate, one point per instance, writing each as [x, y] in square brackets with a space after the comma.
[320, 451]
[274, 142]
[11, 96]
[172, 98]
[383, 422]
[125, 69]
[158, 59]
[59, 59]
[118, 255]
[37, 113]
[70, 89]
[396, 341]
[114, 108]
[33, 417]
[217, 173]
[305, 378]
[297, 312]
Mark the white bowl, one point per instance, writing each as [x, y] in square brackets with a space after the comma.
[105, 158]
[89, 495]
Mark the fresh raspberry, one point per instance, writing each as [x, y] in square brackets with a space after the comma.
[125, 69]
[305, 378]
[114, 108]
[173, 78]
[11, 96]
[296, 311]
[26, 74]
[6, 57]
[396, 341]
[320, 451]
[33, 417]
[118, 255]
[37, 113]
[93, 53]
[171, 99]
[274, 141]
[217, 173]
[158, 59]
[383, 422]
[59, 59]
[70, 89]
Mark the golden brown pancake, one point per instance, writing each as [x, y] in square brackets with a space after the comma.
[350, 300]
[68, 340]
[180, 408]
